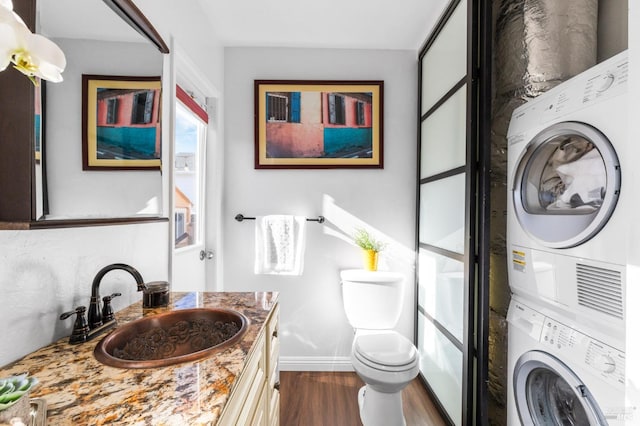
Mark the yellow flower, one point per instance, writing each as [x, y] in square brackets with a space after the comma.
[31, 54]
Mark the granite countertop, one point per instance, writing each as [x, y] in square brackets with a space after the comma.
[79, 390]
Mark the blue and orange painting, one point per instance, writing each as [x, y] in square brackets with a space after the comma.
[315, 124]
[128, 125]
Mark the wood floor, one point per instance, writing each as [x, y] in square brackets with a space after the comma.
[331, 399]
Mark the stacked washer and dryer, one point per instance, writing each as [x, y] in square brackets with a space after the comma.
[566, 234]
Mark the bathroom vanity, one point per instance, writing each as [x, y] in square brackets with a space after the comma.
[238, 385]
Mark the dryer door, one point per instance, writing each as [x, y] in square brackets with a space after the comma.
[548, 392]
[566, 184]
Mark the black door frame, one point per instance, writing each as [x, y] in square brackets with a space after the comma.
[477, 216]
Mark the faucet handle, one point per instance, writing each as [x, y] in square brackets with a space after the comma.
[80, 331]
[107, 310]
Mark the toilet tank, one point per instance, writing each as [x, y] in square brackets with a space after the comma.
[372, 299]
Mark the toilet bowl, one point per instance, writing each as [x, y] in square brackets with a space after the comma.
[385, 360]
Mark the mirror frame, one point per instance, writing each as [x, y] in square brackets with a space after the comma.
[17, 135]
[133, 16]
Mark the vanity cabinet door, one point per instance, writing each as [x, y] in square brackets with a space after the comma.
[273, 351]
[255, 400]
[247, 395]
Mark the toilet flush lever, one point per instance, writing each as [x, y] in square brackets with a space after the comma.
[208, 254]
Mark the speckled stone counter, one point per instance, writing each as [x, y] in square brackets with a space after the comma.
[79, 390]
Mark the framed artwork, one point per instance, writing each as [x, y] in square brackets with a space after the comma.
[318, 124]
[121, 122]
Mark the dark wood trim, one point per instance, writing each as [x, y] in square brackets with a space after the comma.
[78, 223]
[17, 154]
[133, 16]
[43, 151]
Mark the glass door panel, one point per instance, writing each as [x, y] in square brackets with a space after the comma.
[442, 213]
[189, 172]
[445, 62]
[443, 136]
[441, 290]
[189, 145]
[441, 363]
[447, 216]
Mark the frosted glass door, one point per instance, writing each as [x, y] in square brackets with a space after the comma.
[443, 320]
[445, 60]
[443, 136]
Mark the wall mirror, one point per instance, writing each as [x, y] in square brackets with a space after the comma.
[98, 39]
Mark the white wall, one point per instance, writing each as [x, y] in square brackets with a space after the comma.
[185, 22]
[314, 330]
[47, 272]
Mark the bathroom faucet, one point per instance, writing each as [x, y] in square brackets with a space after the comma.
[94, 315]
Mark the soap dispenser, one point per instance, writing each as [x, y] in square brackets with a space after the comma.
[155, 294]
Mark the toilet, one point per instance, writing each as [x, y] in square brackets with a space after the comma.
[385, 360]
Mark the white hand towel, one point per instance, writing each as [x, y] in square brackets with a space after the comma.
[280, 243]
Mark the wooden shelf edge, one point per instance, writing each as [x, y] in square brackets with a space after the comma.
[77, 223]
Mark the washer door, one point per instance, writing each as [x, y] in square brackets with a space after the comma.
[566, 184]
[549, 393]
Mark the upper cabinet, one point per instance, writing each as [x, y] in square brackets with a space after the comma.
[42, 181]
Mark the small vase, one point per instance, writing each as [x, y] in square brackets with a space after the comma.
[370, 260]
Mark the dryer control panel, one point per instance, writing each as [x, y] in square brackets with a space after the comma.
[599, 358]
[600, 83]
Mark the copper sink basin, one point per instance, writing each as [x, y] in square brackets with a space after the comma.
[171, 338]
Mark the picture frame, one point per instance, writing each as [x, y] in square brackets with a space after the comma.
[121, 122]
[318, 124]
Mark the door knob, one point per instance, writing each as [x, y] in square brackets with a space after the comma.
[206, 254]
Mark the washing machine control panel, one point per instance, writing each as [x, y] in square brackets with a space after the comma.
[599, 358]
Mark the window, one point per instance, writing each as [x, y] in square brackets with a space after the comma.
[190, 137]
[277, 107]
[359, 113]
[336, 109]
[112, 111]
[142, 108]
[283, 107]
[181, 229]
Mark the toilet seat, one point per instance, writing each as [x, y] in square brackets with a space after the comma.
[386, 351]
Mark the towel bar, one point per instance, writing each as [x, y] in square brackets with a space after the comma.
[240, 217]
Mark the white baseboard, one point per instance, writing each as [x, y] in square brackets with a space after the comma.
[315, 363]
